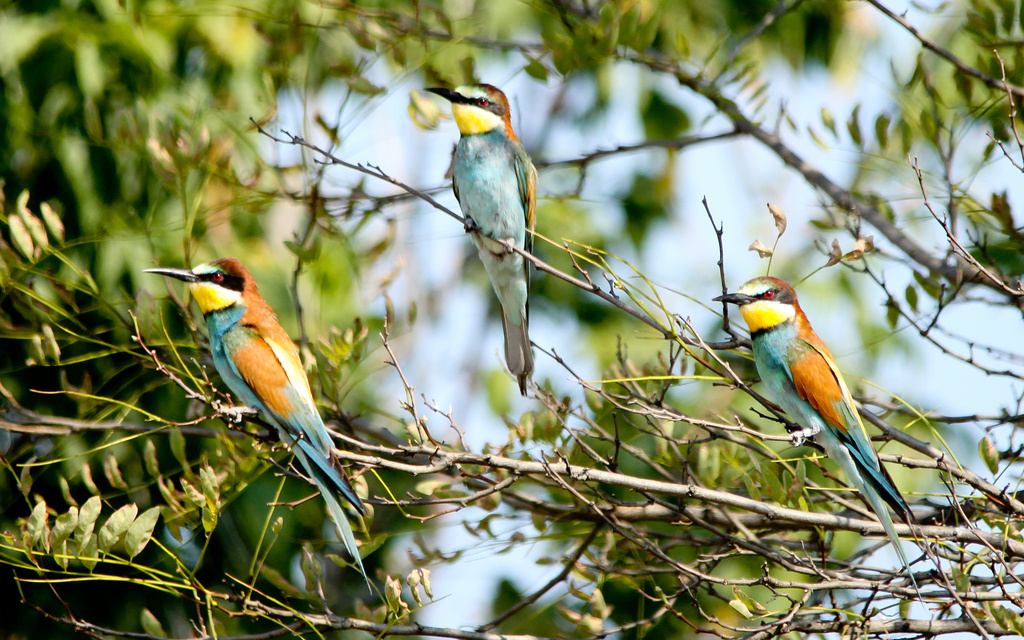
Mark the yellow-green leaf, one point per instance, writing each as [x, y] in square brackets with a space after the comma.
[151, 625]
[87, 516]
[116, 526]
[989, 455]
[140, 532]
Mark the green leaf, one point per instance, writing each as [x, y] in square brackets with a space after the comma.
[113, 473]
[89, 67]
[151, 625]
[536, 70]
[53, 221]
[193, 495]
[360, 84]
[141, 531]
[911, 295]
[177, 441]
[882, 130]
[36, 229]
[989, 454]
[116, 526]
[88, 553]
[88, 481]
[741, 608]
[87, 516]
[63, 527]
[853, 126]
[60, 554]
[828, 120]
[662, 119]
[50, 347]
[892, 313]
[36, 526]
[428, 487]
[20, 237]
[150, 459]
[211, 487]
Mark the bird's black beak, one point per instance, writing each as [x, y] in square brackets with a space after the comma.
[735, 298]
[448, 94]
[180, 274]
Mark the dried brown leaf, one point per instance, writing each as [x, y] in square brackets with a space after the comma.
[761, 250]
[780, 218]
[836, 255]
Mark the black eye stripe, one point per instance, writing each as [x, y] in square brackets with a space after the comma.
[226, 280]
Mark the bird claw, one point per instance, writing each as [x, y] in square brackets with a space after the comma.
[235, 415]
[796, 438]
[470, 225]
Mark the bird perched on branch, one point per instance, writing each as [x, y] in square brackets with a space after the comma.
[495, 184]
[261, 366]
[801, 375]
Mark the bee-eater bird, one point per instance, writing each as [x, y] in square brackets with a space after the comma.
[801, 375]
[261, 366]
[495, 183]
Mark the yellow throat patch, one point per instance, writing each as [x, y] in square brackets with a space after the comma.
[211, 298]
[765, 314]
[473, 120]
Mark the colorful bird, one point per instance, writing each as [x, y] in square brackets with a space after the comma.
[260, 364]
[495, 184]
[801, 375]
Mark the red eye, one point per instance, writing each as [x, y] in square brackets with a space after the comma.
[481, 102]
[217, 277]
[768, 295]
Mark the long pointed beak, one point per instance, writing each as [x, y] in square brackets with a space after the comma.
[180, 274]
[735, 298]
[448, 94]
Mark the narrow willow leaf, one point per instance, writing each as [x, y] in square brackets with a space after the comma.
[150, 459]
[87, 480]
[853, 126]
[882, 123]
[177, 441]
[113, 473]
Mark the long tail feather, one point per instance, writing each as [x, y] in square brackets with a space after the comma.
[878, 506]
[331, 481]
[518, 350]
[876, 487]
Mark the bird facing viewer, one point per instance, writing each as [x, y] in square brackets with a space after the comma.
[495, 184]
[801, 375]
[261, 366]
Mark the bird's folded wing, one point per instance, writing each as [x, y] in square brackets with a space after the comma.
[281, 386]
[304, 414]
[818, 382]
[526, 174]
[817, 379]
